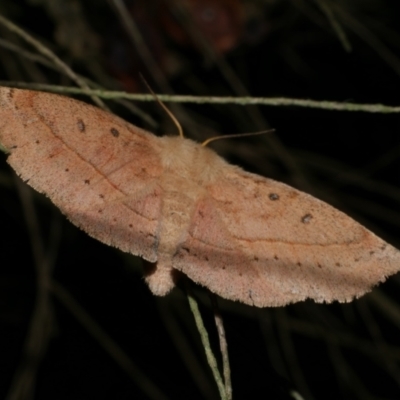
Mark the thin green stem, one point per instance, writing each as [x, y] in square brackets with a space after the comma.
[243, 101]
[223, 346]
[212, 362]
[330, 15]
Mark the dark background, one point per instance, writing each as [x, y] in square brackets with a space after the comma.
[351, 160]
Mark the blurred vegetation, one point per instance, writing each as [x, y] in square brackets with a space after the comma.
[98, 332]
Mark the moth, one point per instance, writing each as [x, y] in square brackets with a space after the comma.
[180, 206]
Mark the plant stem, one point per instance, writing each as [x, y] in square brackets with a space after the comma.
[212, 362]
[223, 346]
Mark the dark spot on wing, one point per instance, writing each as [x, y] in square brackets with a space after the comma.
[223, 267]
[338, 264]
[81, 125]
[114, 132]
[383, 247]
[273, 196]
[37, 141]
[255, 258]
[66, 170]
[371, 252]
[206, 258]
[201, 214]
[299, 264]
[276, 257]
[100, 210]
[87, 181]
[305, 219]
[101, 196]
[11, 93]
[357, 259]
[130, 225]
[319, 265]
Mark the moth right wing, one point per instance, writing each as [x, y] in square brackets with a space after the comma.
[264, 243]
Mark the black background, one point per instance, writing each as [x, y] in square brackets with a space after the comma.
[351, 160]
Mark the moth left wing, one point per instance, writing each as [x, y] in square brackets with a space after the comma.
[264, 243]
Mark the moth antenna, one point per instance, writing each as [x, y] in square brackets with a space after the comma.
[166, 109]
[235, 135]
